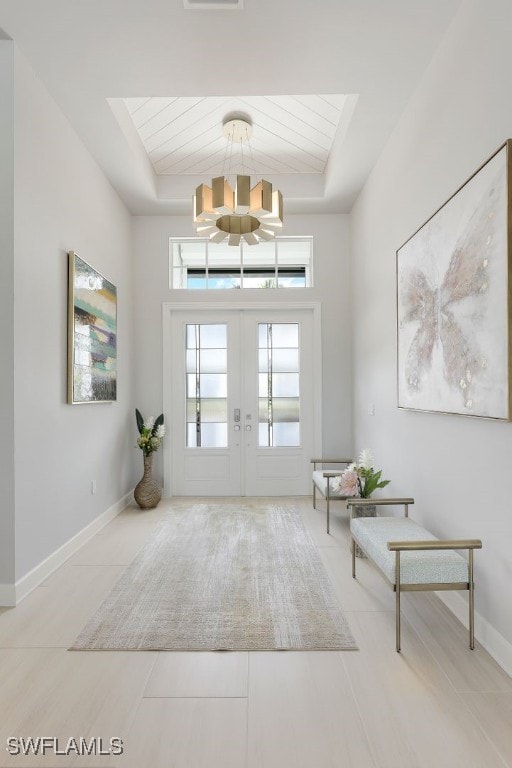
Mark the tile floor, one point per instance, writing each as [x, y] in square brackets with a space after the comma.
[437, 704]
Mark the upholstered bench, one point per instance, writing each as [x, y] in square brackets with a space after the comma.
[411, 558]
[322, 481]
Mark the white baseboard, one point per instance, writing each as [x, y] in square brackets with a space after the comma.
[7, 595]
[12, 594]
[493, 642]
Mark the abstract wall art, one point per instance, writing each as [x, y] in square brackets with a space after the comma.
[453, 301]
[92, 334]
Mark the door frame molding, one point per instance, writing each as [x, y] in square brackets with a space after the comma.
[171, 307]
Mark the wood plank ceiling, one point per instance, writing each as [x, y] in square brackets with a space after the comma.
[183, 135]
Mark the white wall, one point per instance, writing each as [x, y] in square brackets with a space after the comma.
[331, 275]
[457, 468]
[63, 202]
[7, 319]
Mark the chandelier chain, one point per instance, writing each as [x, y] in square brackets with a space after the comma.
[224, 162]
[253, 164]
[242, 154]
[230, 166]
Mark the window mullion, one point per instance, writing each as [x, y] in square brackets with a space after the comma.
[196, 263]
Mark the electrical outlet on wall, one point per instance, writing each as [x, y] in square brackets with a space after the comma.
[371, 409]
[93, 486]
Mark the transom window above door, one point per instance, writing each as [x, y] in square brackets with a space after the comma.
[196, 263]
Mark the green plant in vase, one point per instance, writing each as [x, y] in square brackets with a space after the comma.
[151, 432]
[360, 480]
[147, 492]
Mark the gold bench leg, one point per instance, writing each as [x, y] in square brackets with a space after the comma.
[471, 603]
[397, 590]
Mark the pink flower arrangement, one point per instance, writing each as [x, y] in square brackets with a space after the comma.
[348, 483]
[360, 479]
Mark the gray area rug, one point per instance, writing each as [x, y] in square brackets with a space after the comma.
[223, 577]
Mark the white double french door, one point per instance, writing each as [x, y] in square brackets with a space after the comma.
[242, 415]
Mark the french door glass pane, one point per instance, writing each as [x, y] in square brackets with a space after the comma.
[283, 360]
[212, 360]
[278, 386]
[207, 385]
[207, 336]
[286, 434]
[206, 392]
[283, 335]
[284, 409]
[212, 435]
[213, 410]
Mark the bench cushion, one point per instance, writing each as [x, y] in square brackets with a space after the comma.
[421, 567]
[321, 483]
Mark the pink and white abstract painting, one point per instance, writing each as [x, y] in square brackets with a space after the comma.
[452, 302]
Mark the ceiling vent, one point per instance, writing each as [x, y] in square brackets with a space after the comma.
[213, 5]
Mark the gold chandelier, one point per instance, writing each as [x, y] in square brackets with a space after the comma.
[241, 213]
